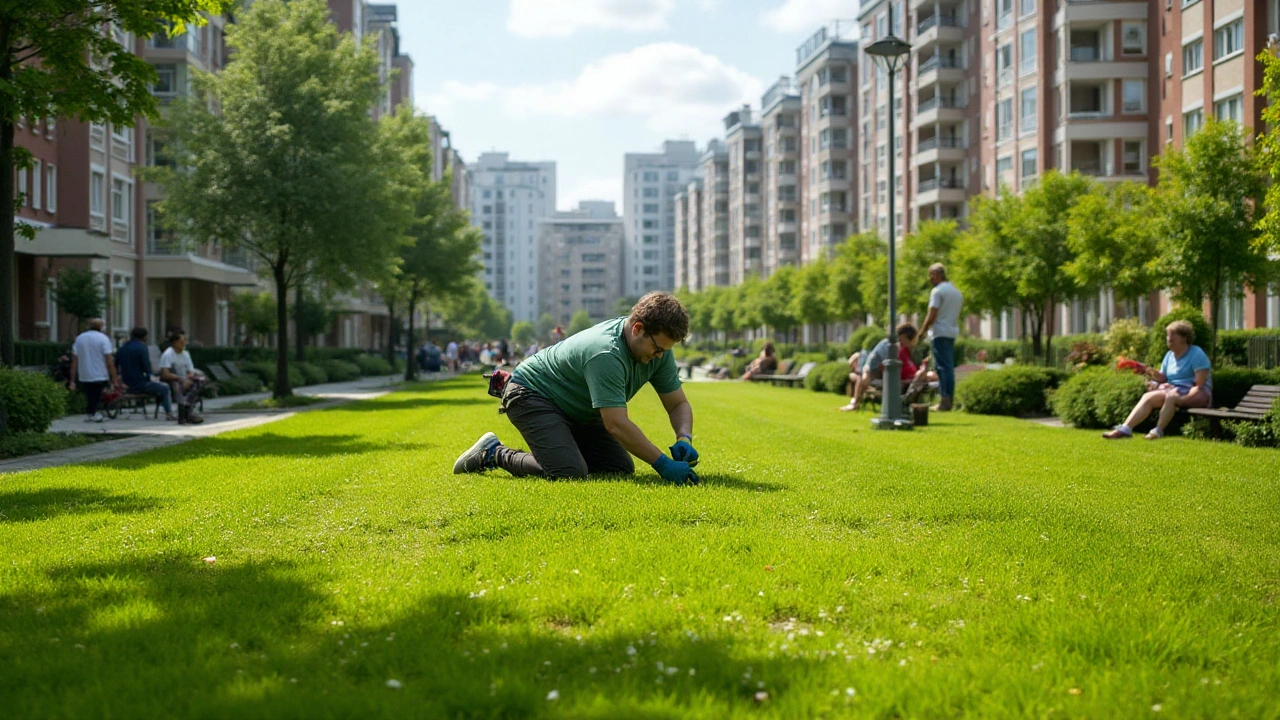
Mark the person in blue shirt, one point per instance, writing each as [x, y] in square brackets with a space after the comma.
[134, 362]
[1185, 380]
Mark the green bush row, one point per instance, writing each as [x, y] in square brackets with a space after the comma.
[29, 402]
[1098, 397]
[1015, 390]
[828, 377]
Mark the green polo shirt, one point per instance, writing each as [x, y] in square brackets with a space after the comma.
[594, 369]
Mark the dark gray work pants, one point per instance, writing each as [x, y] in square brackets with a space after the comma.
[558, 446]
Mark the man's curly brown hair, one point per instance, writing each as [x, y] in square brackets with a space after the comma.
[661, 312]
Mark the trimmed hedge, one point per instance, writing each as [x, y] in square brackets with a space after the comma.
[341, 370]
[967, 349]
[828, 377]
[1157, 347]
[373, 365]
[1015, 390]
[314, 374]
[244, 384]
[1098, 397]
[28, 352]
[266, 371]
[1233, 345]
[31, 401]
[1230, 384]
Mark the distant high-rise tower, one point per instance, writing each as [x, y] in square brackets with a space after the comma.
[508, 198]
[650, 183]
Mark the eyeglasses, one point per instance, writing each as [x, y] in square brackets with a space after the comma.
[658, 350]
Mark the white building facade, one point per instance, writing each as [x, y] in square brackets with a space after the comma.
[650, 183]
[508, 198]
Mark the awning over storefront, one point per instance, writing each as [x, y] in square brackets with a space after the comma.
[194, 267]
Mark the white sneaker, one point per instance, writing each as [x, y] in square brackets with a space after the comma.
[477, 457]
[98, 417]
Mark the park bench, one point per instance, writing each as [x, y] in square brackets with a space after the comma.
[684, 368]
[233, 367]
[1253, 408]
[786, 367]
[218, 372]
[137, 402]
[790, 379]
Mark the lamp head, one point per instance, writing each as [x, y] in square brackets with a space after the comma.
[889, 51]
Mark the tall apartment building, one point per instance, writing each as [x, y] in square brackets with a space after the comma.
[580, 262]
[744, 140]
[826, 73]
[780, 121]
[948, 129]
[650, 183]
[689, 237]
[713, 235]
[508, 198]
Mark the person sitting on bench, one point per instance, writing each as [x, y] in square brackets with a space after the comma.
[133, 359]
[872, 363]
[178, 370]
[765, 364]
[1185, 380]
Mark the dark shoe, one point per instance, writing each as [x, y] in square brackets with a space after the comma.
[193, 418]
[479, 457]
[182, 414]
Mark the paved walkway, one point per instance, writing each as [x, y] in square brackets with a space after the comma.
[149, 433]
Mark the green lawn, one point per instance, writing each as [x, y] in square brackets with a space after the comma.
[980, 566]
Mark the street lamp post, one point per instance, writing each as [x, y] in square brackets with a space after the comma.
[891, 52]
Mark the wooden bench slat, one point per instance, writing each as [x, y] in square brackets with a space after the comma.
[1254, 406]
[1224, 414]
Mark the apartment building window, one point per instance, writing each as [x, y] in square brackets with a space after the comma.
[1133, 38]
[51, 188]
[1027, 52]
[832, 105]
[1029, 110]
[1029, 158]
[651, 177]
[1004, 120]
[121, 301]
[650, 192]
[882, 155]
[650, 208]
[122, 133]
[882, 113]
[882, 187]
[1004, 13]
[22, 186]
[37, 185]
[1231, 108]
[882, 26]
[650, 224]
[786, 167]
[1193, 57]
[166, 80]
[1133, 157]
[1027, 7]
[751, 167]
[649, 255]
[1191, 123]
[673, 175]
[97, 191]
[1134, 93]
[1004, 165]
[789, 144]
[786, 193]
[1004, 64]
[1228, 40]
[650, 239]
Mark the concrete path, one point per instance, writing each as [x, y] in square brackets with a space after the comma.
[149, 433]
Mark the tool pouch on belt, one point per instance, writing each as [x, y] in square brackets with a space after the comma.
[498, 380]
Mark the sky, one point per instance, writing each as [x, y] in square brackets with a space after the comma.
[583, 82]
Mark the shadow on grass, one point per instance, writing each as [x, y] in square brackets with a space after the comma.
[266, 445]
[48, 503]
[418, 403]
[176, 637]
[732, 482]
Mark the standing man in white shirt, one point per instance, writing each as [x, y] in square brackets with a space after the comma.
[179, 371]
[944, 322]
[93, 365]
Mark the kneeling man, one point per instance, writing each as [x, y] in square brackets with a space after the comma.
[569, 401]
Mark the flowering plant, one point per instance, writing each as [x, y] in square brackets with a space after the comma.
[1133, 366]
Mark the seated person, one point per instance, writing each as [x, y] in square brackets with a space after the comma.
[133, 360]
[1185, 380]
[872, 365]
[179, 371]
[766, 364]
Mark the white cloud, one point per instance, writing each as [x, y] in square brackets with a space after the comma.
[562, 18]
[675, 87]
[453, 92]
[592, 188]
[806, 15]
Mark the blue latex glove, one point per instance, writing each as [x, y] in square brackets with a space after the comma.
[683, 451]
[675, 472]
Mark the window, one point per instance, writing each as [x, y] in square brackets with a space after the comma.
[1027, 7]
[651, 177]
[1004, 120]
[1191, 123]
[1133, 38]
[22, 186]
[1029, 163]
[673, 175]
[1231, 108]
[1004, 164]
[122, 133]
[1028, 114]
[1132, 157]
[1135, 96]
[1192, 57]
[1004, 64]
[97, 189]
[51, 188]
[121, 302]
[650, 208]
[1027, 52]
[37, 185]
[166, 80]
[1228, 40]
[650, 192]
[121, 200]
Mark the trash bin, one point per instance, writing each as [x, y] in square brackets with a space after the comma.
[920, 414]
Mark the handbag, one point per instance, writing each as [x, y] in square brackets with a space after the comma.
[498, 380]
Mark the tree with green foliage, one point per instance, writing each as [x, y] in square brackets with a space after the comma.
[748, 301]
[773, 300]
[622, 306]
[545, 325]
[700, 306]
[811, 295]
[312, 316]
[254, 312]
[80, 292]
[1208, 206]
[291, 167]
[66, 58]
[523, 333]
[932, 242]
[579, 322]
[1111, 233]
[860, 278]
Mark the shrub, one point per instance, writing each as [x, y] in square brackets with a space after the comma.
[988, 351]
[1086, 354]
[1156, 346]
[1016, 390]
[313, 374]
[266, 372]
[1129, 338]
[30, 443]
[1251, 434]
[341, 370]
[77, 403]
[242, 385]
[1197, 428]
[31, 401]
[373, 365]
[828, 377]
[1098, 397]
[1233, 345]
[1230, 385]
[864, 338]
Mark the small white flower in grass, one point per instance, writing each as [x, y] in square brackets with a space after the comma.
[211, 560]
[235, 646]
[591, 670]
[553, 696]
[850, 692]
[1157, 707]
[761, 696]
[394, 684]
[293, 680]
[631, 650]
[693, 671]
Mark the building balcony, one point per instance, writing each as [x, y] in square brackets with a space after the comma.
[938, 149]
[938, 28]
[938, 109]
[1094, 11]
[939, 68]
[940, 190]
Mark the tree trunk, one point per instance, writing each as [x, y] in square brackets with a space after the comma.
[7, 356]
[411, 366]
[1048, 332]
[299, 337]
[282, 388]
[391, 333]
